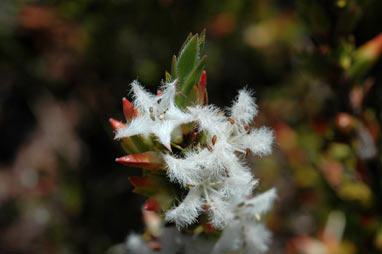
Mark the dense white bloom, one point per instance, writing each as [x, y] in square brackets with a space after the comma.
[219, 181]
[218, 169]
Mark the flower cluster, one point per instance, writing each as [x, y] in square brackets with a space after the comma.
[213, 169]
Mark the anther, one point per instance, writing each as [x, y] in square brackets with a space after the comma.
[257, 216]
[209, 148]
[214, 138]
[231, 121]
[151, 109]
[159, 100]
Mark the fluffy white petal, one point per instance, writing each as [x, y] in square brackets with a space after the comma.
[210, 119]
[167, 97]
[139, 125]
[230, 240]
[183, 171]
[186, 212]
[244, 108]
[259, 141]
[257, 238]
[259, 204]
[220, 212]
[143, 99]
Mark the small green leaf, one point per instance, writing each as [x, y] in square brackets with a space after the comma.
[187, 60]
[168, 77]
[137, 144]
[128, 146]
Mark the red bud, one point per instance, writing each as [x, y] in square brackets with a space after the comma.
[129, 110]
[152, 205]
[202, 88]
[147, 160]
[115, 124]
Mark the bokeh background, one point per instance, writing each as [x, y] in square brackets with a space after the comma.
[65, 65]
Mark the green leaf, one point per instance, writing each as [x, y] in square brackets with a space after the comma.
[187, 60]
[168, 77]
[189, 36]
[189, 92]
[137, 144]
[194, 76]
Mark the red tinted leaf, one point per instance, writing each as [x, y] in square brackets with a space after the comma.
[147, 160]
[129, 110]
[115, 124]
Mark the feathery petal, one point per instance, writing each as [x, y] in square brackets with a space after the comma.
[259, 204]
[259, 141]
[257, 238]
[244, 108]
[143, 99]
[186, 212]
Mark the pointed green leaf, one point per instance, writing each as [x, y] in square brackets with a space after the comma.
[187, 60]
[189, 36]
[194, 76]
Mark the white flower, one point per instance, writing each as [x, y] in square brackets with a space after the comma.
[218, 170]
[216, 174]
[245, 232]
[158, 115]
